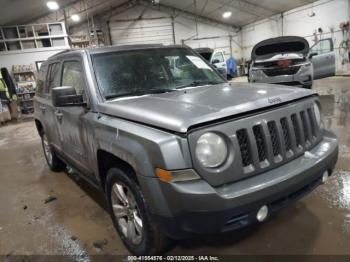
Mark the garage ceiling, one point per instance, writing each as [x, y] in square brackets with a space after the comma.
[243, 11]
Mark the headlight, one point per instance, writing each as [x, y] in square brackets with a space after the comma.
[317, 114]
[211, 150]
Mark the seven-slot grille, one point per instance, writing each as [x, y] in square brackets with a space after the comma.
[280, 139]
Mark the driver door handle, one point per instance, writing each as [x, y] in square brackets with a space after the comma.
[59, 115]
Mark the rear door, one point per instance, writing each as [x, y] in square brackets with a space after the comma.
[323, 58]
[218, 60]
[44, 108]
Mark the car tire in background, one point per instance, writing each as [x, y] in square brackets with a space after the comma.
[130, 214]
[54, 163]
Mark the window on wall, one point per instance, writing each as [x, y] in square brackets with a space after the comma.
[53, 77]
[73, 76]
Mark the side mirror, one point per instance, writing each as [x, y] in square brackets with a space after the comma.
[312, 54]
[66, 96]
[215, 61]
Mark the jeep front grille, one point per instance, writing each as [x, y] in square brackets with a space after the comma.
[274, 138]
[262, 141]
[286, 137]
[246, 155]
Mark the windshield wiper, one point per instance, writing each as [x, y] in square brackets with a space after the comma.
[198, 83]
[140, 93]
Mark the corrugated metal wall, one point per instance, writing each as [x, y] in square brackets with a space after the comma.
[148, 31]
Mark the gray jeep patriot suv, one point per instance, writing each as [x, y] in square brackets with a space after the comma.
[177, 150]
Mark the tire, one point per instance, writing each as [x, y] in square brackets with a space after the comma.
[55, 164]
[130, 206]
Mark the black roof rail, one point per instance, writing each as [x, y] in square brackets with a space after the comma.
[63, 52]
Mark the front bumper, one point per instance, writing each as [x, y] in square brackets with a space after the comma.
[302, 77]
[198, 208]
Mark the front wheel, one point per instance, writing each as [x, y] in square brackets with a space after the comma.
[54, 163]
[130, 215]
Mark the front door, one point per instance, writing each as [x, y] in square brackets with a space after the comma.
[71, 119]
[323, 58]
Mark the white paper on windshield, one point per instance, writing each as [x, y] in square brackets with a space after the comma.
[199, 63]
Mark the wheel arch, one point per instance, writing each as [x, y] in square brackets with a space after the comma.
[106, 160]
[39, 127]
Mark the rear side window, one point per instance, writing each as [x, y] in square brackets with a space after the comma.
[53, 77]
[73, 76]
[40, 83]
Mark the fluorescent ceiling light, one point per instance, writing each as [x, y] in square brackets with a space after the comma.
[52, 5]
[226, 14]
[75, 17]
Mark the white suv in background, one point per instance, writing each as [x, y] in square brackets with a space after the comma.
[215, 57]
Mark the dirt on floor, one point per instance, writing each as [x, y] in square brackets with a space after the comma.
[42, 212]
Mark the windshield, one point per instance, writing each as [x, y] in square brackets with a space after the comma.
[148, 71]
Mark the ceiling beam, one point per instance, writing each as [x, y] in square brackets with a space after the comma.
[82, 6]
[171, 10]
[254, 5]
[246, 7]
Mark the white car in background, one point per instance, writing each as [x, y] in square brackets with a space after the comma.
[289, 60]
[215, 57]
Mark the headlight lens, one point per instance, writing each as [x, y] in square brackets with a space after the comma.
[211, 150]
[317, 114]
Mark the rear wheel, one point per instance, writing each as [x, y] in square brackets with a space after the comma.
[54, 163]
[130, 215]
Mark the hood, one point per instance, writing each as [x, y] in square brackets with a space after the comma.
[280, 45]
[179, 110]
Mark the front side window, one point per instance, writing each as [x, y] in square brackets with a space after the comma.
[323, 46]
[139, 72]
[73, 76]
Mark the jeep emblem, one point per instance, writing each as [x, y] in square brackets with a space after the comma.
[274, 100]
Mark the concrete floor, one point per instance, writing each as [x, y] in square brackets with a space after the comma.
[77, 223]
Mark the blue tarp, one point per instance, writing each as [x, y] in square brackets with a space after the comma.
[231, 67]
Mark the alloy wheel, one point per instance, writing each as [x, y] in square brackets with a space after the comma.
[47, 150]
[127, 213]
